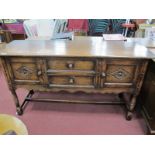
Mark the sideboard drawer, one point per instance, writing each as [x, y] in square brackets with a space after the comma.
[71, 64]
[72, 81]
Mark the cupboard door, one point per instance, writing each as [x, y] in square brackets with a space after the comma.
[26, 70]
[119, 73]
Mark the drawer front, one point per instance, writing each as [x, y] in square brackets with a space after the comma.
[72, 81]
[71, 64]
[24, 70]
[121, 73]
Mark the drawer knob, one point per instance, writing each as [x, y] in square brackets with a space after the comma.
[71, 80]
[39, 73]
[103, 74]
[70, 65]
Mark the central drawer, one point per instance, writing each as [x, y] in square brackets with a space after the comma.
[72, 72]
[72, 81]
[71, 64]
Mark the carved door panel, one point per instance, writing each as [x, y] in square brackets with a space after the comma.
[119, 73]
[26, 70]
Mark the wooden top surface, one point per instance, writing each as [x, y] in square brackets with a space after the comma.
[149, 43]
[79, 47]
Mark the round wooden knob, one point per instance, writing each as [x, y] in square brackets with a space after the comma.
[103, 74]
[71, 80]
[70, 65]
[39, 73]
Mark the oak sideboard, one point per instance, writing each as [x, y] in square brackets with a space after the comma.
[87, 64]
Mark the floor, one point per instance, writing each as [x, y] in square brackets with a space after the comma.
[68, 119]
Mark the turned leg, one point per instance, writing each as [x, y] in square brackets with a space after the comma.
[19, 110]
[130, 107]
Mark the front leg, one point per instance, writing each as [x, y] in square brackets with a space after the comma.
[131, 106]
[19, 110]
